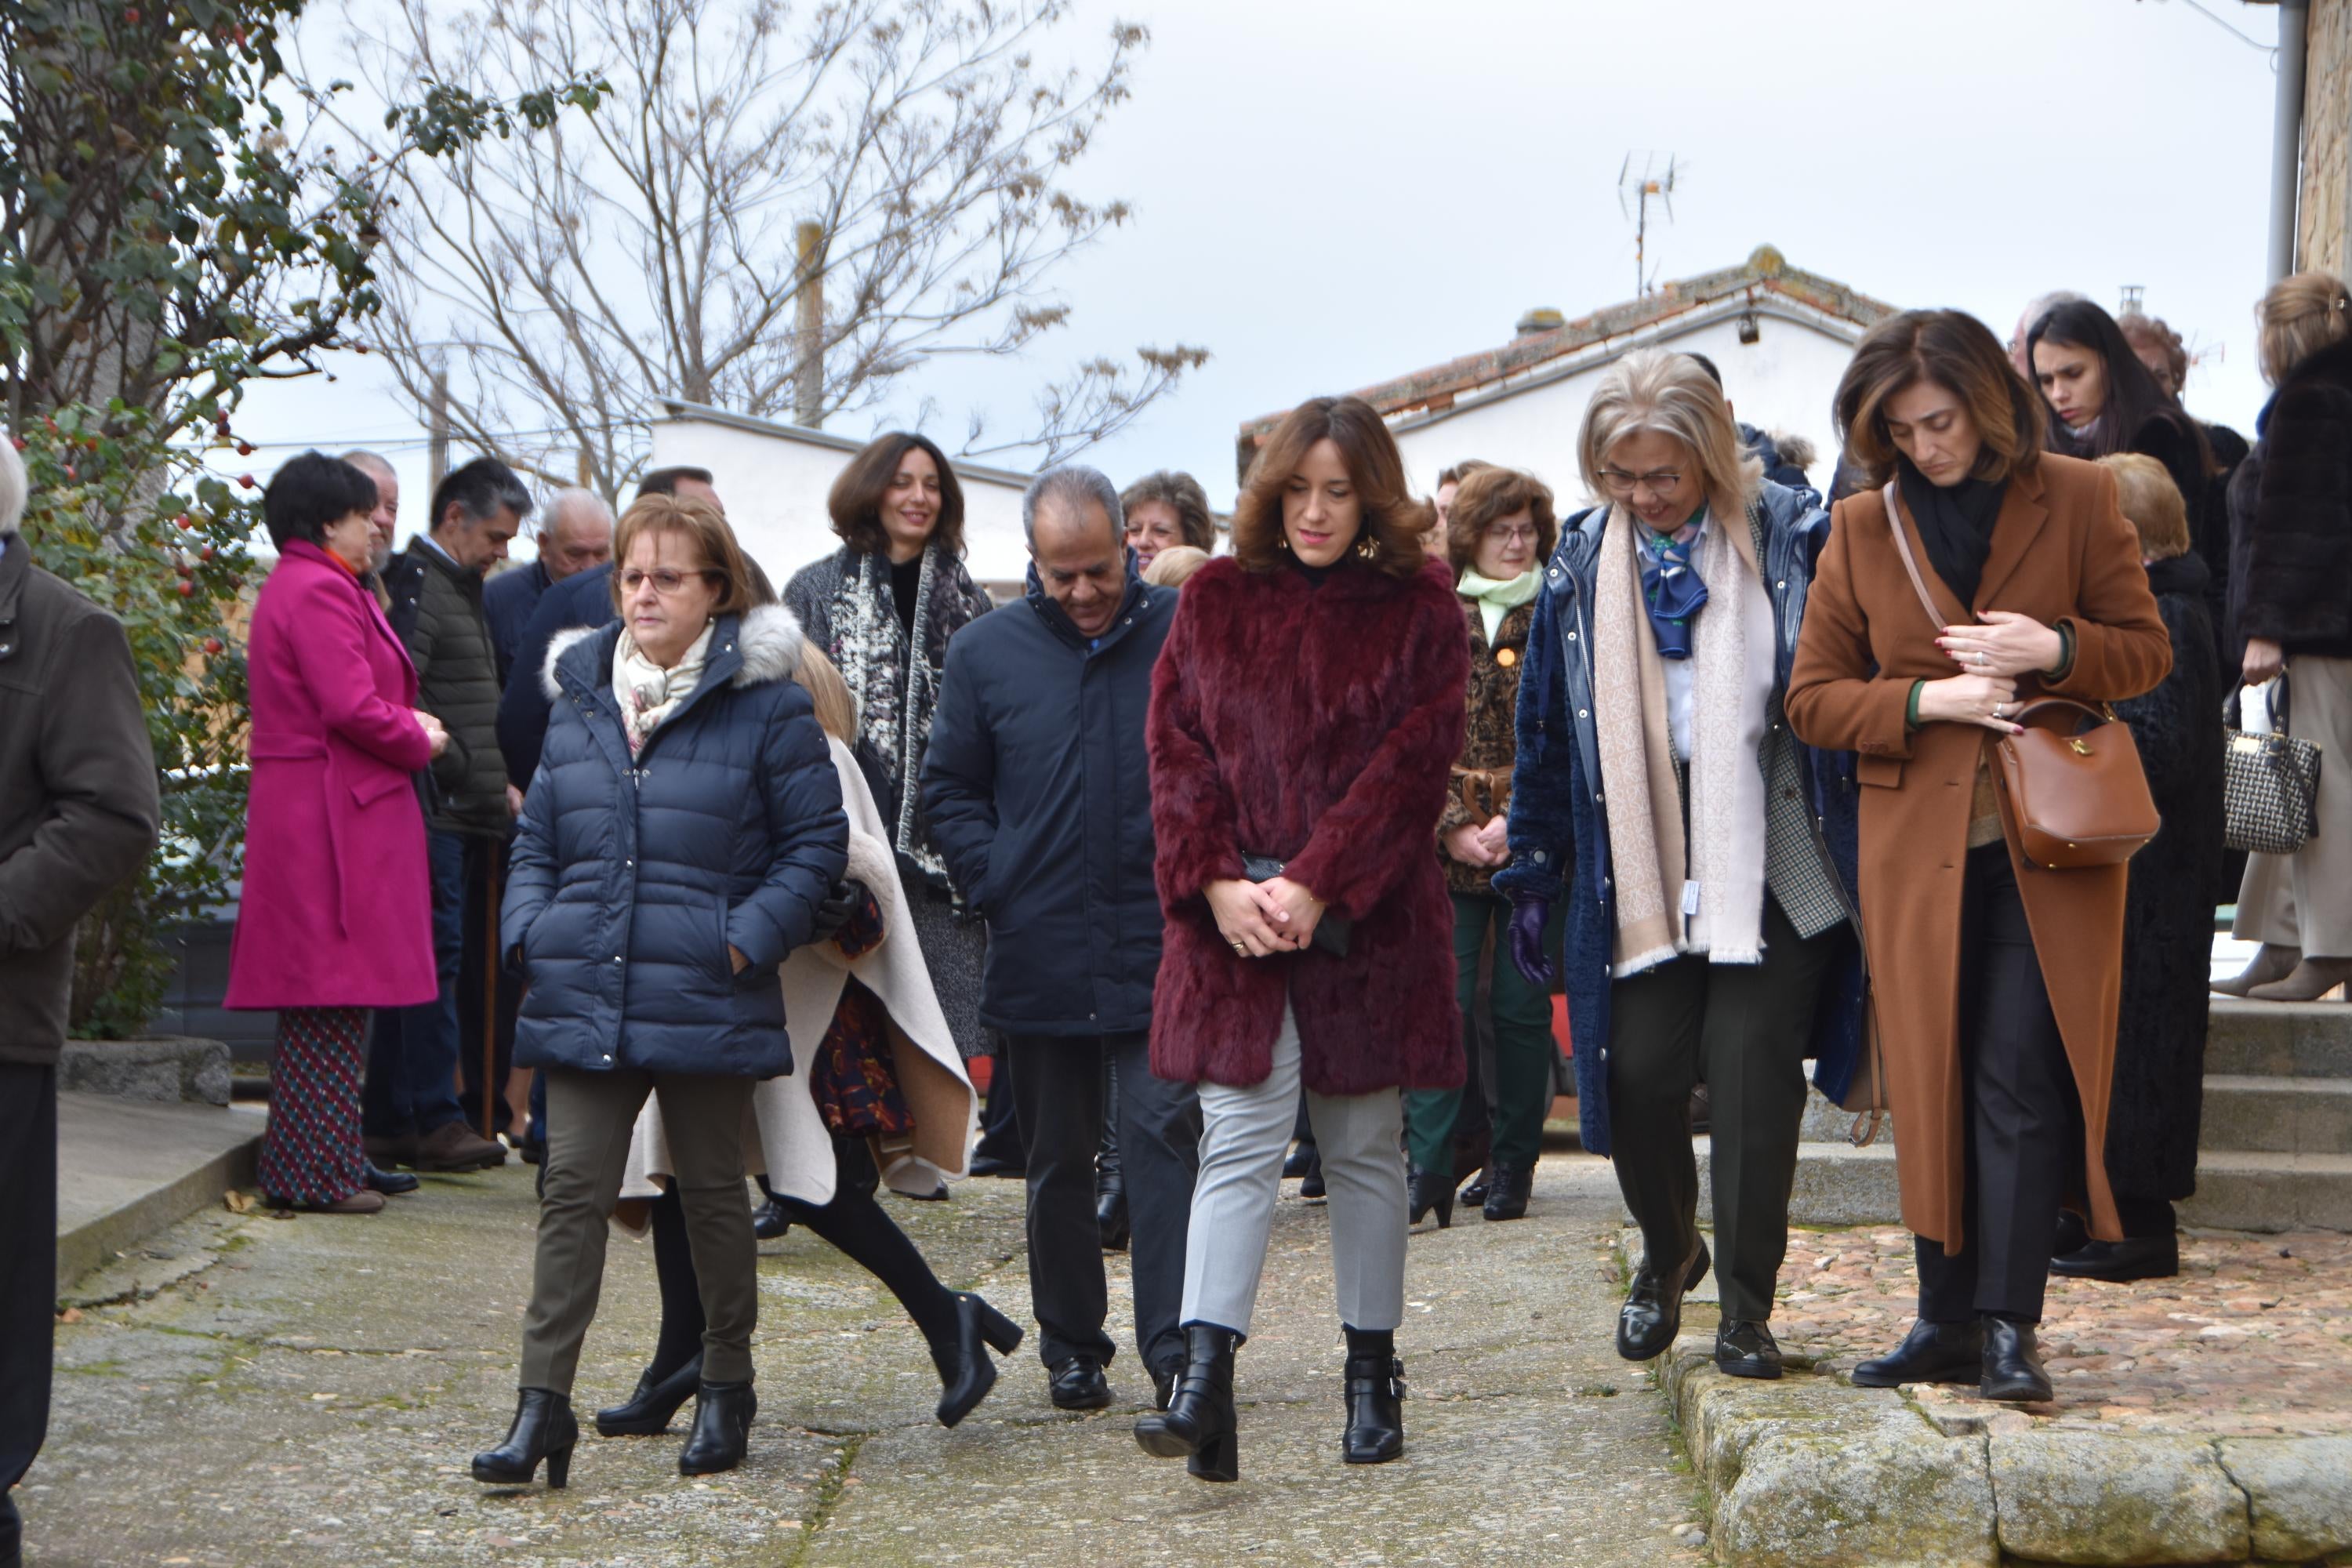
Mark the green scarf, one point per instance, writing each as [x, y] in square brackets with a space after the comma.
[1494, 600]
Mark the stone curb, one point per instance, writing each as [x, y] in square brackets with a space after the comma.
[1812, 1472]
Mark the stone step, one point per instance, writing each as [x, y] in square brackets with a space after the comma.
[2279, 1039]
[2277, 1115]
[1837, 1184]
[2240, 1191]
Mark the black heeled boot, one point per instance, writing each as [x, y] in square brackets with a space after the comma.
[544, 1428]
[722, 1429]
[648, 1410]
[1199, 1421]
[966, 1372]
[1375, 1396]
[1507, 1190]
[1425, 1191]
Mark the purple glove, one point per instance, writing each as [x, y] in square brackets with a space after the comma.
[1529, 915]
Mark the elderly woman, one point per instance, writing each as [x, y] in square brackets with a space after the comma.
[1499, 532]
[1304, 711]
[683, 830]
[2291, 601]
[1166, 511]
[882, 1100]
[1659, 792]
[883, 608]
[336, 916]
[1994, 981]
[2158, 1096]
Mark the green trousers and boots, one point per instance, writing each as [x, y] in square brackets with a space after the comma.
[1524, 1053]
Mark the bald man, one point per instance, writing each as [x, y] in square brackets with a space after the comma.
[576, 537]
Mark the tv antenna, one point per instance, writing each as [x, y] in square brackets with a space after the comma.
[1633, 194]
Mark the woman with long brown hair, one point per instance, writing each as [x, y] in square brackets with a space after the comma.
[1995, 980]
[1306, 711]
[883, 608]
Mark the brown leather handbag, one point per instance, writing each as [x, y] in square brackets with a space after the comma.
[2071, 784]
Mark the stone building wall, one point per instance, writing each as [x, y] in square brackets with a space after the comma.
[2324, 211]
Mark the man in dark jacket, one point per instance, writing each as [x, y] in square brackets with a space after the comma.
[575, 536]
[77, 814]
[410, 1114]
[1038, 796]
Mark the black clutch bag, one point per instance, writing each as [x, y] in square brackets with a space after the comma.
[1331, 932]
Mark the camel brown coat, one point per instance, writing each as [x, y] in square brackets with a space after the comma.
[2062, 554]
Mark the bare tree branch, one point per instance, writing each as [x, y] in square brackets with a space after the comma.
[650, 252]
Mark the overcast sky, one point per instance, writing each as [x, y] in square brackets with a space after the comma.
[1328, 193]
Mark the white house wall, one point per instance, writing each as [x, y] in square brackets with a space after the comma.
[775, 486]
[1784, 381]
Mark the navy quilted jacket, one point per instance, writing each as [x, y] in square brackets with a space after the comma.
[632, 877]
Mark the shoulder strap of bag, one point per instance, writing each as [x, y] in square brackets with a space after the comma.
[1910, 564]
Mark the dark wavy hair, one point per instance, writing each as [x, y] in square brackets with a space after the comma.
[1489, 494]
[1388, 540]
[2132, 395]
[1958, 354]
[856, 501]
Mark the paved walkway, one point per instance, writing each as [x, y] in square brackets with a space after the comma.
[308, 1391]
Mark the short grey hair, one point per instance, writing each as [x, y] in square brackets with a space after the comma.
[16, 488]
[1072, 485]
[369, 462]
[566, 499]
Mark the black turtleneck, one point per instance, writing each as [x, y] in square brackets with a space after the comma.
[1956, 525]
[905, 580]
[1316, 576]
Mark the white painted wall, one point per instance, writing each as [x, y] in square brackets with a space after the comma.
[1784, 381]
[775, 485]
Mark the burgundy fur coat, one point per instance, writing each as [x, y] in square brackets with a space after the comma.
[1319, 725]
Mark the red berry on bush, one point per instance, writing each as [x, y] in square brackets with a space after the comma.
[71, 473]
[20, 441]
[184, 520]
[213, 644]
[245, 448]
[247, 481]
[206, 553]
[186, 588]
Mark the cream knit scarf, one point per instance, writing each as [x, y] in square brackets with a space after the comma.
[1703, 894]
[646, 692]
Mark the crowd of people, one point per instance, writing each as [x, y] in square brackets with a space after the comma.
[747, 878]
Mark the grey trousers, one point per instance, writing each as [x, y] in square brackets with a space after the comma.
[1245, 1132]
[2303, 901]
[589, 1118]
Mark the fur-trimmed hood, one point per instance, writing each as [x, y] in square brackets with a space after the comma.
[770, 637]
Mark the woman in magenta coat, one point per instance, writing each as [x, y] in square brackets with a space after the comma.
[336, 915]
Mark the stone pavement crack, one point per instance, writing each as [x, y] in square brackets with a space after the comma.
[828, 1497]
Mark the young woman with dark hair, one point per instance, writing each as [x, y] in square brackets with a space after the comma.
[883, 608]
[1306, 711]
[1997, 1029]
[2103, 400]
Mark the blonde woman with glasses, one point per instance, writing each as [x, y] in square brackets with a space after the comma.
[1659, 794]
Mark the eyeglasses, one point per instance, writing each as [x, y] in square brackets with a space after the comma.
[1516, 535]
[1659, 482]
[666, 581]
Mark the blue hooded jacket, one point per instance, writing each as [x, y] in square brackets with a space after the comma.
[1558, 822]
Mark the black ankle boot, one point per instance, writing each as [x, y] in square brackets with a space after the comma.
[1506, 1193]
[1426, 1191]
[966, 1372]
[1198, 1421]
[1930, 1352]
[648, 1410]
[722, 1429]
[544, 1428]
[2011, 1368]
[1375, 1394]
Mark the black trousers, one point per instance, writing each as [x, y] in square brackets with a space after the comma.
[486, 880]
[1058, 1085]
[1744, 1028]
[28, 1261]
[2022, 1119]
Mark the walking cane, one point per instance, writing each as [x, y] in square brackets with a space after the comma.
[490, 1000]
